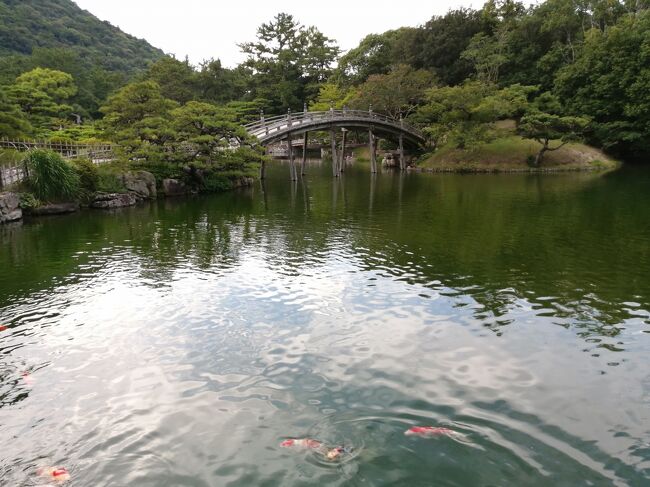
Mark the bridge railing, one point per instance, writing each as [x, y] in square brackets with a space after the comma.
[276, 123]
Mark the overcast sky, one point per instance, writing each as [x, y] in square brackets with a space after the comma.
[205, 29]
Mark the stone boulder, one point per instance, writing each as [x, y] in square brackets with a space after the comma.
[174, 187]
[54, 209]
[107, 201]
[141, 183]
[10, 208]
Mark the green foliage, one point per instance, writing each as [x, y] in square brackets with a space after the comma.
[331, 95]
[463, 115]
[439, 43]
[28, 201]
[29, 24]
[375, 55]
[138, 118]
[160, 169]
[217, 84]
[396, 94]
[50, 177]
[42, 95]
[10, 157]
[488, 54]
[452, 113]
[177, 79]
[288, 62]
[545, 127]
[88, 175]
[83, 134]
[13, 123]
[110, 183]
[610, 82]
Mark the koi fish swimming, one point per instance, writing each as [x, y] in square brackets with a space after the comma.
[430, 431]
[58, 474]
[3, 328]
[331, 454]
[27, 378]
[301, 443]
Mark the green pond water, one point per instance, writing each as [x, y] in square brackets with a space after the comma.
[178, 343]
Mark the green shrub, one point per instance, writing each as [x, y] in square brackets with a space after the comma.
[110, 183]
[28, 201]
[50, 177]
[215, 181]
[160, 169]
[88, 175]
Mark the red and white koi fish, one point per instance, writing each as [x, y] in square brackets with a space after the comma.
[58, 474]
[430, 431]
[3, 328]
[335, 453]
[27, 378]
[302, 443]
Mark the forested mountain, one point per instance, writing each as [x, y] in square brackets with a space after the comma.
[29, 24]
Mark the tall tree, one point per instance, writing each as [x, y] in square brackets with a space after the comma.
[376, 54]
[397, 93]
[440, 42]
[546, 127]
[138, 117]
[177, 79]
[43, 95]
[289, 61]
[610, 82]
[13, 122]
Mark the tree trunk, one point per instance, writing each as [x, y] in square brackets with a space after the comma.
[540, 154]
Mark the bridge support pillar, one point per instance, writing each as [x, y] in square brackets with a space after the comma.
[292, 161]
[373, 152]
[402, 160]
[335, 164]
[342, 157]
[305, 142]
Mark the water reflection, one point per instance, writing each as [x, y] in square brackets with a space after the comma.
[175, 343]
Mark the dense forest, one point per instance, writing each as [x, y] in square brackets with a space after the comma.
[560, 70]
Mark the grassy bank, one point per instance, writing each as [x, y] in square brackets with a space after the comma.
[514, 154]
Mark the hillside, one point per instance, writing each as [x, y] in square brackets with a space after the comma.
[29, 24]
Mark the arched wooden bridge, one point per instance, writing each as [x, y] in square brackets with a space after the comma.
[292, 125]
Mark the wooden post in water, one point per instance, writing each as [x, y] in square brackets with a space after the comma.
[334, 157]
[292, 162]
[402, 161]
[305, 141]
[373, 152]
[342, 158]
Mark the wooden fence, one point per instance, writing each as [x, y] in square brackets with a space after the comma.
[97, 153]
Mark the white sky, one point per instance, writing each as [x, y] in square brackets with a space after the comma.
[203, 29]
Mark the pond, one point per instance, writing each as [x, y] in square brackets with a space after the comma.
[178, 343]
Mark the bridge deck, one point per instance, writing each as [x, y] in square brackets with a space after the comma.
[275, 128]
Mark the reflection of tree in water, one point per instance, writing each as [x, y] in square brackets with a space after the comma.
[573, 246]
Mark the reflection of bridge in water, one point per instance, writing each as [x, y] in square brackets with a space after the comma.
[288, 127]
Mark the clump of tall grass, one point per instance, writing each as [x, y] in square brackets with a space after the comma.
[50, 177]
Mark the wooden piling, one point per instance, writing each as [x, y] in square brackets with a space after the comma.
[292, 162]
[342, 158]
[373, 152]
[303, 163]
[334, 156]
